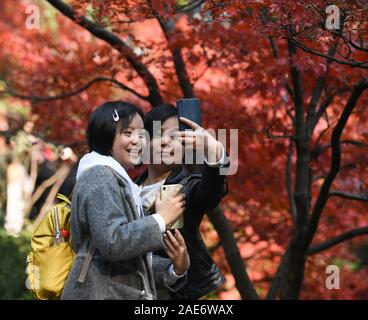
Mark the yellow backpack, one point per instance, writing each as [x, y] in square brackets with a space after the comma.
[51, 258]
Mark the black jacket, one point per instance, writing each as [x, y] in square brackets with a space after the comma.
[203, 192]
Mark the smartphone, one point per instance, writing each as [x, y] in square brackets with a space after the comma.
[190, 109]
[171, 190]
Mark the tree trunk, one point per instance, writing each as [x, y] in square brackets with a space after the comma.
[225, 231]
[294, 270]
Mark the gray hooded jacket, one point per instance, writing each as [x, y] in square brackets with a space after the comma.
[104, 215]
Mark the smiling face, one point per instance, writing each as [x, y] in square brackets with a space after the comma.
[129, 143]
[165, 147]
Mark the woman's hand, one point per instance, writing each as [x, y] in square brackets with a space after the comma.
[200, 139]
[177, 251]
[171, 208]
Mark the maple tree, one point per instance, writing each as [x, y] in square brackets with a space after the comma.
[294, 89]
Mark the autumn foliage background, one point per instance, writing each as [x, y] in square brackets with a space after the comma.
[245, 61]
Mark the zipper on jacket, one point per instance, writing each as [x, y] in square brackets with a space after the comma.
[58, 237]
[145, 290]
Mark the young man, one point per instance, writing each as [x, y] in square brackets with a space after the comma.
[203, 191]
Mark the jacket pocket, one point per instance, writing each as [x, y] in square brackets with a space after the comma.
[127, 287]
[118, 288]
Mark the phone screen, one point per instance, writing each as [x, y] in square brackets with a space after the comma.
[190, 109]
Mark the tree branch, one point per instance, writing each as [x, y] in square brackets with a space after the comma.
[349, 195]
[336, 240]
[275, 50]
[60, 176]
[351, 42]
[168, 28]
[37, 99]
[154, 96]
[312, 114]
[317, 150]
[363, 64]
[288, 174]
[322, 108]
[335, 160]
[297, 84]
[209, 63]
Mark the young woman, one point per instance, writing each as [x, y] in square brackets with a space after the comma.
[203, 191]
[112, 238]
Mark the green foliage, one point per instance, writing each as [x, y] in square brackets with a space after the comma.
[12, 266]
[362, 253]
[48, 17]
[182, 2]
[352, 265]
[13, 107]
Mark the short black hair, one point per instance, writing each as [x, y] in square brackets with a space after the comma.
[162, 112]
[101, 129]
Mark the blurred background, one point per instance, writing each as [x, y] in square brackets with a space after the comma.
[290, 77]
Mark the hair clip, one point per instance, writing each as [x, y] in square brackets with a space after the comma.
[115, 116]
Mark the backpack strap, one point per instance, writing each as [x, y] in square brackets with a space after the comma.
[64, 198]
[91, 251]
[86, 264]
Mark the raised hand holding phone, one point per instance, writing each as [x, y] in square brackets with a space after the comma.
[189, 114]
[200, 139]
